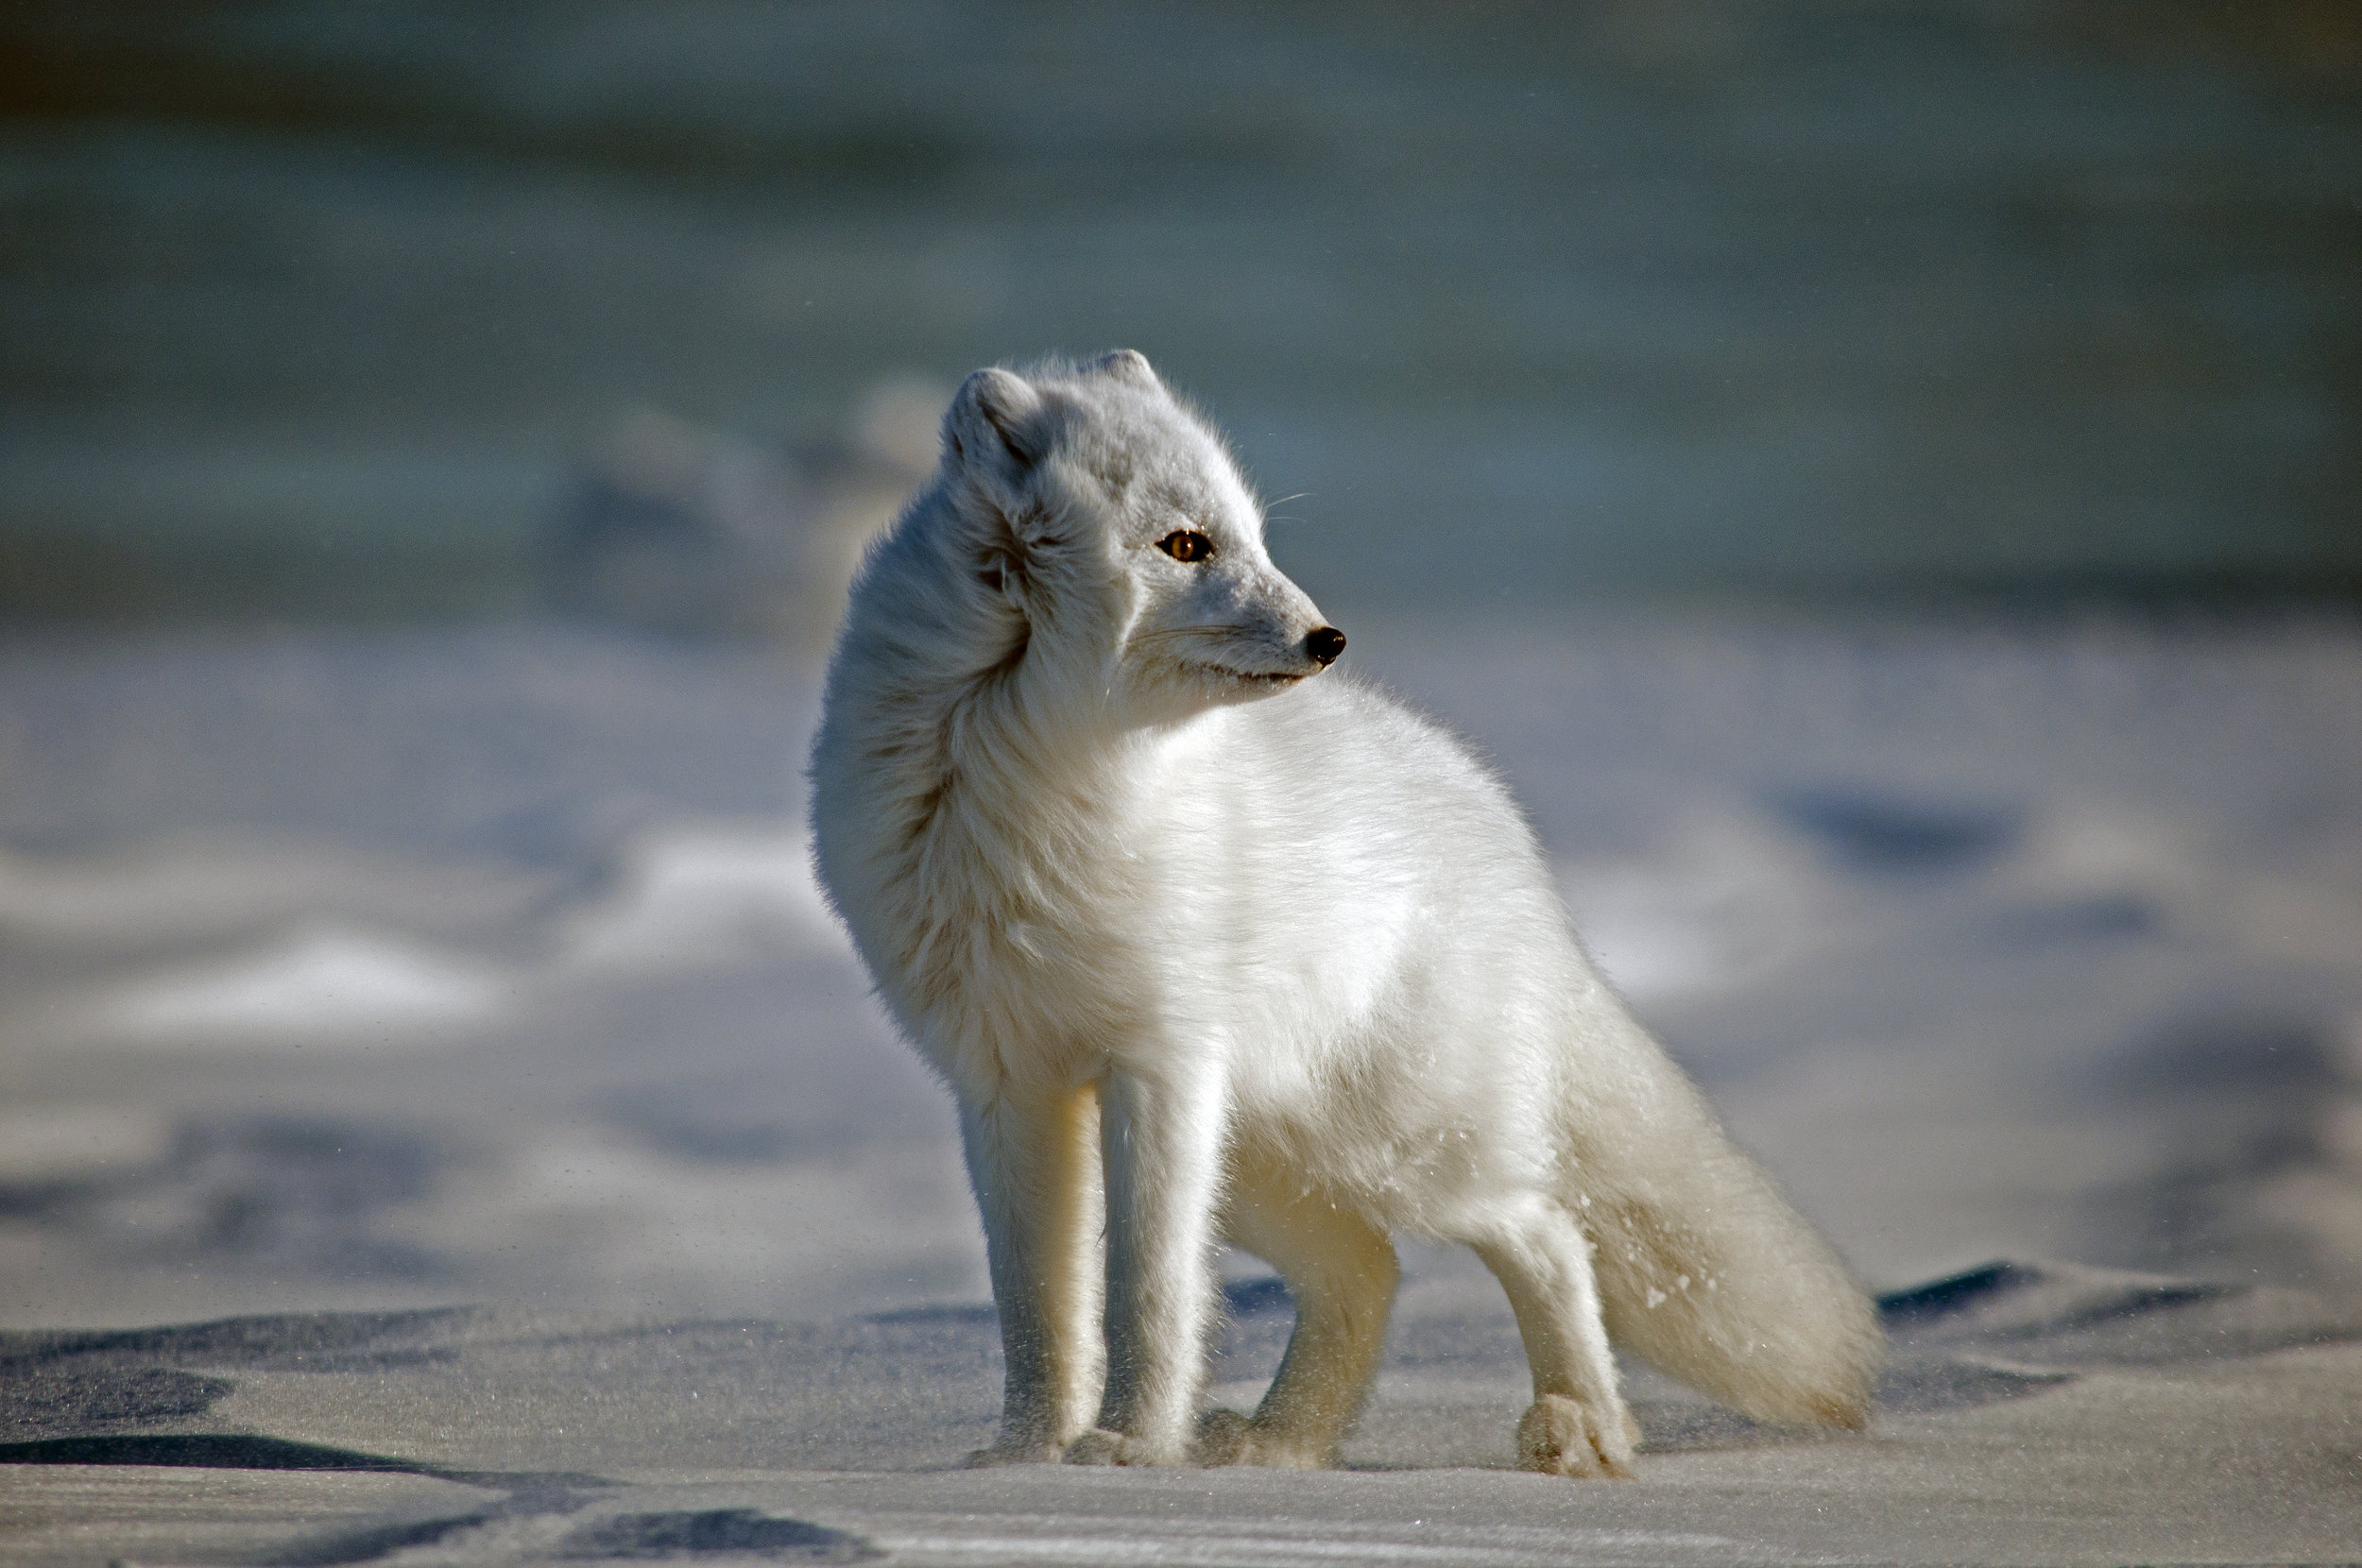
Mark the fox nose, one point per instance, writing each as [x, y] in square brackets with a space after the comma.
[1324, 644]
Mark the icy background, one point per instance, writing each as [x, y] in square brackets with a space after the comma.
[316, 309]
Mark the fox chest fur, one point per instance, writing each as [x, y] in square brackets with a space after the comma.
[1047, 919]
[1005, 928]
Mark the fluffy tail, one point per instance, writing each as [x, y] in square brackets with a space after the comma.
[1706, 1272]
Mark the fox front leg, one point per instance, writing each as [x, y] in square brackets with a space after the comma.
[1034, 1160]
[1160, 1135]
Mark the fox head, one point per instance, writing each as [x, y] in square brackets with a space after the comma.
[1106, 527]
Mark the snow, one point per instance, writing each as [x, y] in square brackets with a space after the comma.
[699, 895]
[320, 986]
[2035, 943]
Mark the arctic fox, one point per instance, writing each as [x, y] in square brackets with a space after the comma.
[1211, 946]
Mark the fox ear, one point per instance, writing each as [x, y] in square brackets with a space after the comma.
[993, 422]
[1127, 365]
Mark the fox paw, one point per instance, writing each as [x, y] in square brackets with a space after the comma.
[1101, 1446]
[1227, 1438]
[1224, 1437]
[1096, 1446]
[1559, 1435]
[1001, 1454]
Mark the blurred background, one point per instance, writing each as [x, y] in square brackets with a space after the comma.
[1881, 480]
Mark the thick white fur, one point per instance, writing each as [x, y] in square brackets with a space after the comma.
[1206, 946]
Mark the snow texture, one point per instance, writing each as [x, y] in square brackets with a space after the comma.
[468, 987]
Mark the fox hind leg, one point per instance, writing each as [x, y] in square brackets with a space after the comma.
[1341, 1269]
[1578, 1424]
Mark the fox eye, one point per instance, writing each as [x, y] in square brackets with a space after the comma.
[1186, 544]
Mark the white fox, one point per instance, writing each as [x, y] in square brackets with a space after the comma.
[1235, 951]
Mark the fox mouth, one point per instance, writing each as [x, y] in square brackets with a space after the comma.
[1265, 677]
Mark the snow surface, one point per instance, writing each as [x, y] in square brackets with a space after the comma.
[381, 973]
